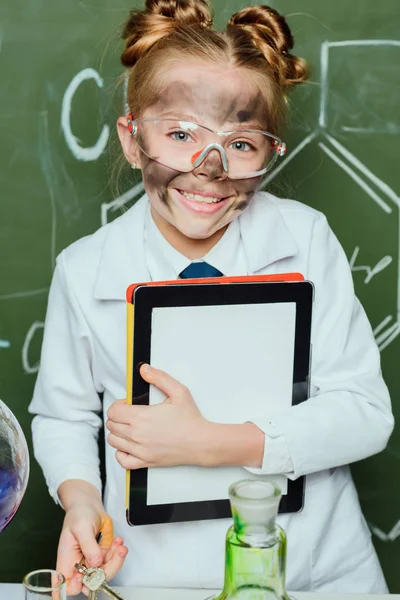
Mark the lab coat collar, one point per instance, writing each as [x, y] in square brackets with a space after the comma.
[266, 239]
[123, 260]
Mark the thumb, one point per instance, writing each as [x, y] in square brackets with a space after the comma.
[90, 549]
[164, 382]
[71, 546]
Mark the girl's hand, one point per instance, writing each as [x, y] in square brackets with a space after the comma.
[161, 435]
[78, 539]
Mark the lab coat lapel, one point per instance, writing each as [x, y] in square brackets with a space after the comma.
[123, 258]
[266, 237]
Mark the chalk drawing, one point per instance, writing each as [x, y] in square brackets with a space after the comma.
[393, 534]
[388, 335]
[81, 153]
[33, 329]
[384, 339]
[382, 325]
[387, 190]
[117, 203]
[375, 189]
[27, 294]
[371, 271]
[347, 169]
[5, 344]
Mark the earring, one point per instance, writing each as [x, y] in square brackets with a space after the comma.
[133, 165]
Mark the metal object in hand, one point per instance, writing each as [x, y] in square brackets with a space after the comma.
[95, 580]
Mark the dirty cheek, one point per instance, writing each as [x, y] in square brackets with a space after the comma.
[246, 188]
[157, 178]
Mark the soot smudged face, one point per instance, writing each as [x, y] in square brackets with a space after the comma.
[202, 203]
[218, 106]
[157, 179]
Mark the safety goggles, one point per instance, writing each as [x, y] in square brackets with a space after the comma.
[185, 145]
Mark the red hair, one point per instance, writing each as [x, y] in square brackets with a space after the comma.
[257, 40]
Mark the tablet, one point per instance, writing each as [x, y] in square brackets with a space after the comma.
[243, 350]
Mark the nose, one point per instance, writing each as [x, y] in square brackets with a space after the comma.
[211, 163]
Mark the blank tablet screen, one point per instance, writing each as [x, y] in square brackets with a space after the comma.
[237, 361]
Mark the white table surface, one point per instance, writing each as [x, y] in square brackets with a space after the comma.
[14, 591]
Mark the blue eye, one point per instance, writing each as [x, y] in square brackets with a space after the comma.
[181, 136]
[241, 146]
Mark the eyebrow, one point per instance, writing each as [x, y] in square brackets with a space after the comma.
[250, 125]
[180, 116]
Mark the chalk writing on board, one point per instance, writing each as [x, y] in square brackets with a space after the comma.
[385, 333]
[117, 203]
[36, 327]
[375, 188]
[26, 294]
[370, 271]
[393, 534]
[81, 153]
[5, 344]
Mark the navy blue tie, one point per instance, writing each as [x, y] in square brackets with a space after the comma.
[198, 270]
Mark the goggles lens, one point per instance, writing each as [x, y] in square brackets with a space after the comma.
[178, 144]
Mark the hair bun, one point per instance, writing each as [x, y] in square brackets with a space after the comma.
[160, 18]
[271, 34]
[184, 12]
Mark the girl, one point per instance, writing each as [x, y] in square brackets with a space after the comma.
[188, 86]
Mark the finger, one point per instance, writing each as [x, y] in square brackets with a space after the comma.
[119, 412]
[68, 553]
[86, 538]
[114, 558]
[123, 445]
[117, 541]
[74, 585]
[119, 429]
[163, 381]
[127, 461]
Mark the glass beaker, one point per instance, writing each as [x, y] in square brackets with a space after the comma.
[44, 584]
[255, 556]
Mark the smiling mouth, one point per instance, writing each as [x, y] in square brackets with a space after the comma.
[205, 199]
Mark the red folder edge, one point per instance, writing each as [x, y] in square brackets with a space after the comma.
[237, 279]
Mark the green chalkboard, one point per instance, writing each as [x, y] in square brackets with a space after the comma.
[59, 63]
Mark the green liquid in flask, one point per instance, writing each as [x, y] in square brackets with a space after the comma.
[255, 555]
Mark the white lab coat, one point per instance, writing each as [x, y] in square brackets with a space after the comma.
[347, 418]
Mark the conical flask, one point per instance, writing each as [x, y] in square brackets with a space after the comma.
[255, 557]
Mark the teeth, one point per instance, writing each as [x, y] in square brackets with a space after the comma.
[198, 198]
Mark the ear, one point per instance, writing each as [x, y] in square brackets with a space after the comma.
[128, 142]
